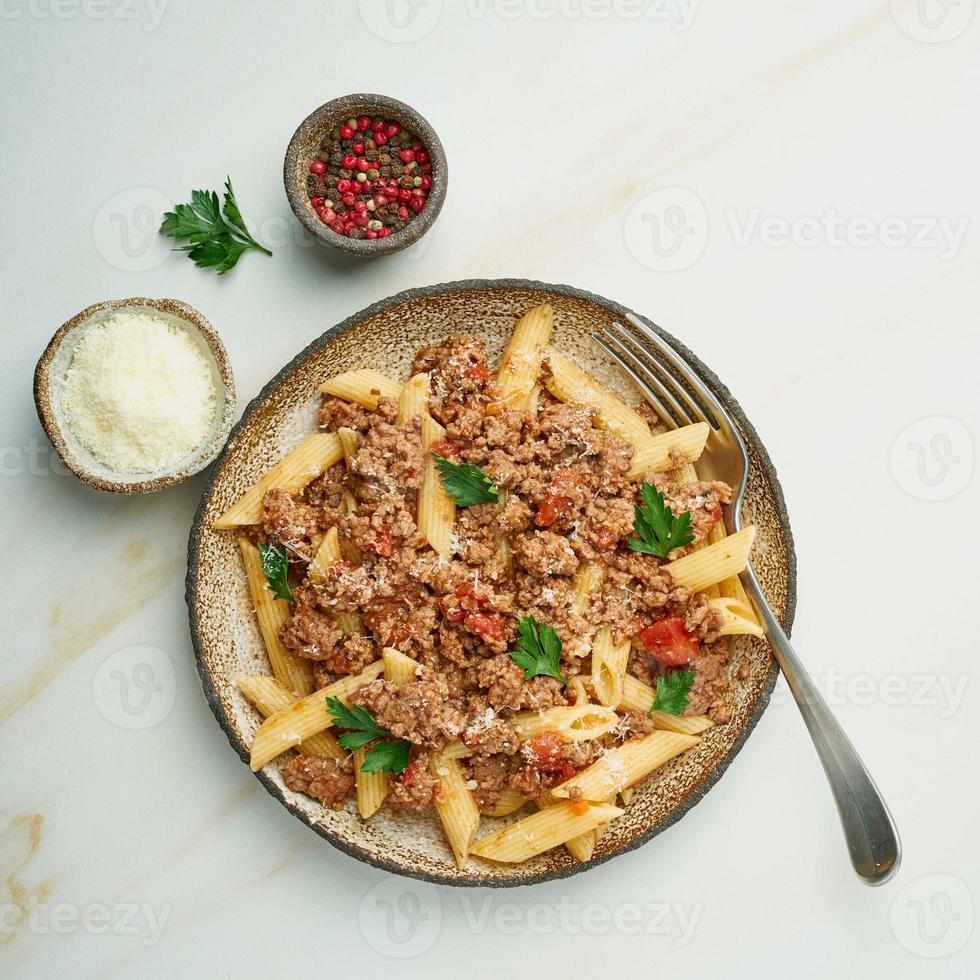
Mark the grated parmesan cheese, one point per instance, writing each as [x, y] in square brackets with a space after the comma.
[139, 393]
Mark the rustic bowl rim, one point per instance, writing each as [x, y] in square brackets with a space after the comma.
[52, 428]
[350, 104]
[716, 772]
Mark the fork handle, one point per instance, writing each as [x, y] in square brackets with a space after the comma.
[871, 835]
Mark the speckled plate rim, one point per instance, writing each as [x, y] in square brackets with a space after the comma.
[711, 777]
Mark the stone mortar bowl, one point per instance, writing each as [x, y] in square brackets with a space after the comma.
[385, 336]
[305, 145]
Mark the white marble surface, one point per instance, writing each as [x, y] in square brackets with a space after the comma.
[150, 851]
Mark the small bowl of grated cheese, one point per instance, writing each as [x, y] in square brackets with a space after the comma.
[135, 394]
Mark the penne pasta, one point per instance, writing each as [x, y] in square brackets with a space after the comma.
[269, 696]
[554, 825]
[305, 463]
[436, 509]
[510, 802]
[709, 566]
[737, 617]
[326, 555]
[621, 767]
[521, 362]
[349, 441]
[609, 667]
[398, 668]
[456, 750]
[295, 673]
[574, 724]
[371, 787]
[413, 402]
[653, 454]
[308, 716]
[586, 583]
[637, 696]
[455, 805]
[569, 383]
[364, 386]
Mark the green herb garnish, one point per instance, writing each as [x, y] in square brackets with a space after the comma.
[275, 565]
[673, 692]
[660, 532]
[213, 241]
[386, 755]
[538, 650]
[465, 483]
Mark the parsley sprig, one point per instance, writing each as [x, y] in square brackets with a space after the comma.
[386, 755]
[213, 240]
[465, 483]
[275, 566]
[673, 692]
[659, 530]
[538, 650]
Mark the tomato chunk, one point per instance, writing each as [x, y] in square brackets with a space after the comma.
[444, 448]
[669, 642]
[553, 508]
[491, 626]
[383, 543]
[480, 371]
[544, 751]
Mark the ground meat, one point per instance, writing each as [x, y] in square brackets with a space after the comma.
[709, 694]
[486, 731]
[310, 632]
[636, 724]
[425, 712]
[461, 384]
[335, 413]
[389, 460]
[415, 788]
[545, 553]
[491, 773]
[291, 523]
[506, 687]
[327, 491]
[607, 522]
[326, 780]
[703, 501]
[702, 620]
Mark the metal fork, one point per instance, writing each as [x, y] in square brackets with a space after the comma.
[680, 398]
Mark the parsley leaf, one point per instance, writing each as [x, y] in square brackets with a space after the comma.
[660, 532]
[386, 755]
[275, 565]
[538, 650]
[213, 241]
[465, 483]
[673, 692]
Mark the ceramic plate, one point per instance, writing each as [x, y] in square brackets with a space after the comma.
[227, 643]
